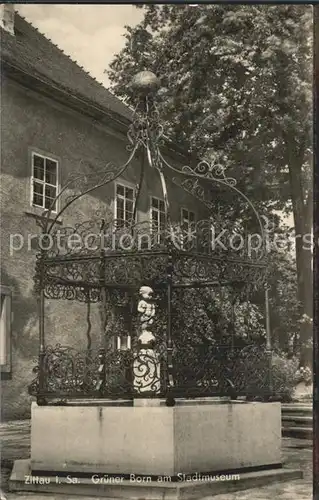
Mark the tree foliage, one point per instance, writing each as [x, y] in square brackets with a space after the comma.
[229, 75]
[236, 89]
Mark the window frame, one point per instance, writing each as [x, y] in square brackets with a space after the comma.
[151, 208]
[119, 343]
[182, 221]
[155, 209]
[7, 366]
[124, 184]
[45, 156]
[189, 212]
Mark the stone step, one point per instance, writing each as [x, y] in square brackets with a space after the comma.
[297, 413]
[293, 408]
[289, 443]
[297, 432]
[302, 420]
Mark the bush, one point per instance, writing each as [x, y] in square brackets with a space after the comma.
[304, 374]
[284, 376]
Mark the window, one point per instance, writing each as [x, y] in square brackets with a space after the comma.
[187, 219]
[123, 342]
[158, 217]
[44, 181]
[188, 226]
[5, 330]
[124, 203]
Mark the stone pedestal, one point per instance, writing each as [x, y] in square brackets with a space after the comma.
[155, 440]
[190, 451]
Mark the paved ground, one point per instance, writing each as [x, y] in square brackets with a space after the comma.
[299, 458]
[15, 438]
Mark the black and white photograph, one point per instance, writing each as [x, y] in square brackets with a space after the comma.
[157, 251]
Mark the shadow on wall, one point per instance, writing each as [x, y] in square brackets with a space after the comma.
[15, 400]
[65, 323]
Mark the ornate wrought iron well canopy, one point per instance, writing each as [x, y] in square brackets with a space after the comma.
[121, 256]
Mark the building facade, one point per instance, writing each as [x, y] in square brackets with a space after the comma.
[56, 119]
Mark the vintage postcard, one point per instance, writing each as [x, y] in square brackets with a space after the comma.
[157, 251]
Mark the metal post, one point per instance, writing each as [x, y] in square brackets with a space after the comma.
[268, 339]
[42, 372]
[103, 313]
[101, 371]
[169, 343]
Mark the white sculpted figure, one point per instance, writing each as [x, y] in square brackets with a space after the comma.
[146, 365]
[146, 336]
[145, 306]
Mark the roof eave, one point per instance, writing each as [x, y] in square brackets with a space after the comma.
[81, 104]
[50, 89]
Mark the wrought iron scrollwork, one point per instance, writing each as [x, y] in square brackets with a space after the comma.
[217, 371]
[75, 374]
[130, 253]
[146, 127]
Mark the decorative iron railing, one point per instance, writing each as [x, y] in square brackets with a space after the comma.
[206, 237]
[218, 371]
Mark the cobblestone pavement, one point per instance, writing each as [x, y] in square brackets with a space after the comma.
[15, 443]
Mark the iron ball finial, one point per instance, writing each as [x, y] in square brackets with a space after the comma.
[145, 82]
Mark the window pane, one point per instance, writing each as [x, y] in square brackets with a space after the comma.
[37, 188]
[154, 203]
[38, 173]
[119, 204]
[129, 207]
[48, 204]
[120, 214]
[191, 216]
[161, 206]
[37, 194]
[120, 190]
[154, 215]
[38, 167]
[129, 193]
[51, 171]
[38, 200]
[50, 192]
